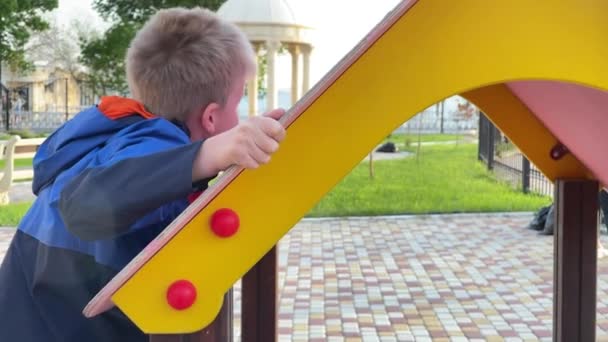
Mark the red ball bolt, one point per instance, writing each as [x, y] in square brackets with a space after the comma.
[225, 222]
[181, 294]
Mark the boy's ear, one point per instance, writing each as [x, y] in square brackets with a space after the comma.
[209, 117]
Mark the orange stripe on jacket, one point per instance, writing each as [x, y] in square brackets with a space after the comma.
[116, 107]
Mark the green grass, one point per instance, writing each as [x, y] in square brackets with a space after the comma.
[25, 163]
[24, 134]
[447, 179]
[409, 142]
[413, 137]
[11, 214]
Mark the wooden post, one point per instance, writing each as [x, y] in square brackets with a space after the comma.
[259, 306]
[218, 331]
[575, 263]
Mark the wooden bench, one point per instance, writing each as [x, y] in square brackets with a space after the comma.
[10, 150]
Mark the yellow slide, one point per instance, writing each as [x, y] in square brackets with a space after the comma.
[423, 52]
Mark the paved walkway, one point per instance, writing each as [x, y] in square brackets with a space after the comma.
[21, 192]
[419, 278]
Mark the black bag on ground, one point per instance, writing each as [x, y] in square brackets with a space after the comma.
[538, 222]
[549, 222]
[603, 198]
[387, 147]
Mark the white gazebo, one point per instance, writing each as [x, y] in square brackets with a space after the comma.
[268, 25]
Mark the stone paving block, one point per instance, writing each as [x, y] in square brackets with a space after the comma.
[416, 278]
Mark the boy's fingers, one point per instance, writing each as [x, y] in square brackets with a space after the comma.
[274, 129]
[259, 156]
[266, 144]
[249, 162]
[275, 113]
[280, 135]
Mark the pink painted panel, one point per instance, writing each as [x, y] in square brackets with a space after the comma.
[577, 115]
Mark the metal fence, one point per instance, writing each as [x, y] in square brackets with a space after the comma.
[431, 121]
[487, 140]
[507, 162]
[35, 121]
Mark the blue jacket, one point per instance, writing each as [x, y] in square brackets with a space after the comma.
[106, 185]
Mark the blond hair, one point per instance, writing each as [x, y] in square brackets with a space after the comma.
[184, 59]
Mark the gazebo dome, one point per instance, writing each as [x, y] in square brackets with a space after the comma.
[255, 11]
[270, 24]
[264, 20]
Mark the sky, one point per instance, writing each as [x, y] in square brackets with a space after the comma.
[81, 10]
[339, 24]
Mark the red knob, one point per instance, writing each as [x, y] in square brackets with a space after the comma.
[558, 151]
[225, 222]
[181, 294]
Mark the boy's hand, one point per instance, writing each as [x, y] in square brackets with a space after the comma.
[249, 144]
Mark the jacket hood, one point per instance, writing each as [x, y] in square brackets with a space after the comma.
[88, 130]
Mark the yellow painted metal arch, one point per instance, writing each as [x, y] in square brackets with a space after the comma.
[439, 48]
[522, 127]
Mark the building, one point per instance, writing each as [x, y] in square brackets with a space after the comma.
[45, 89]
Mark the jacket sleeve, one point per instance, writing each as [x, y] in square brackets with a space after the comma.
[131, 190]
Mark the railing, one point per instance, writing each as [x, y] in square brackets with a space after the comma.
[35, 121]
[430, 121]
[507, 162]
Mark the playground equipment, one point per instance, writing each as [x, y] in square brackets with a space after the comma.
[539, 70]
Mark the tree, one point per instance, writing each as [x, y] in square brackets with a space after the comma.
[104, 55]
[58, 46]
[129, 11]
[18, 19]
[104, 58]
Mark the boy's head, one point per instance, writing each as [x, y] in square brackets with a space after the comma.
[190, 65]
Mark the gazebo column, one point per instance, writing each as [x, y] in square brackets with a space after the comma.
[252, 85]
[272, 48]
[306, 51]
[294, 50]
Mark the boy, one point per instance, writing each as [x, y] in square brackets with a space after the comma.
[109, 180]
